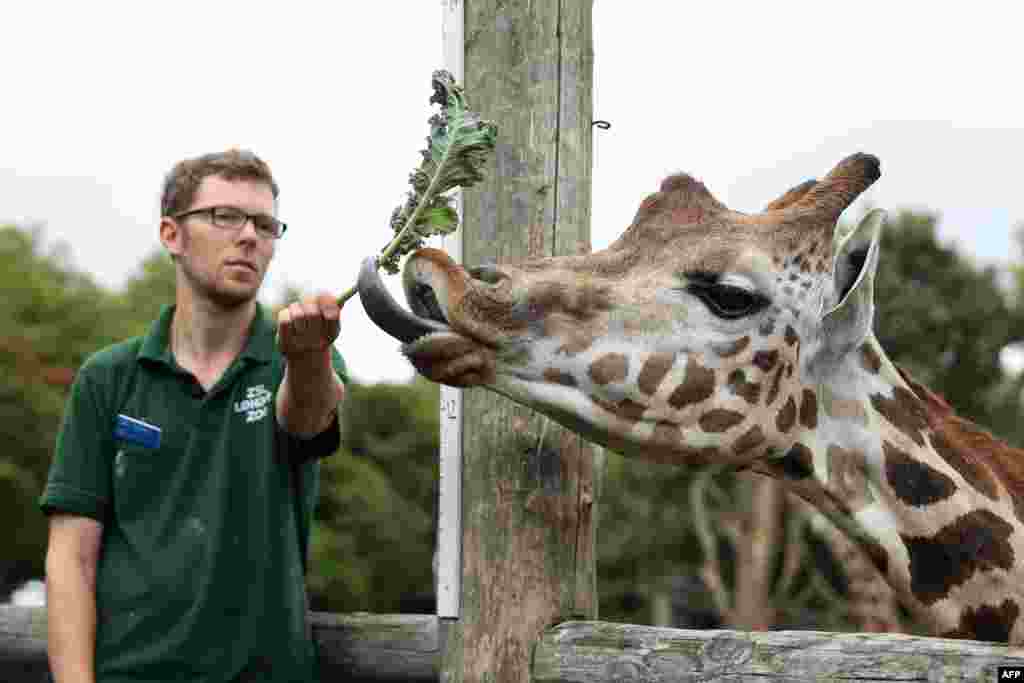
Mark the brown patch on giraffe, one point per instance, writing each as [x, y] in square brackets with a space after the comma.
[809, 410]
[904, 411]
[576, 342]
[787, 416]
[749, 391]
[993, 623]
[698, 386]
[967, 464]
[843, 409]
[654, 370]
[730, 349]
[798, 463]
[719, 420]
[975, 542]
[773, 390]
[791, 336]
[666, 437]
[877, 553]
[847, 476]
[626, 408]
[970, 442]
[611, 367]
[913, 482]
[870, 359]
[750, 440]
[766, 360]
[558, 377]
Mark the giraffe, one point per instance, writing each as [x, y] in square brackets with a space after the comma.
[706, 335]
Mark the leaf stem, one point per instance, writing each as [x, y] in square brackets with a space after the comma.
[425, 198]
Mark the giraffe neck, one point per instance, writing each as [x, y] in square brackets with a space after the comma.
[892, 467]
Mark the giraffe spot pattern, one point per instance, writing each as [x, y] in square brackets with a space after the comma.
[719, 420]
[766, 360]
[696, 387]
[975, 542]
[913, 482]
[611, 367]
[654, 370]
[847, 475]
[904, 412]
[974, 472]
[730, 349]
[798, 462]
[749, 391]
[809, 410]
[773, 390]
[626, 408]
[791, 336]
[870, 359]
[577, 343]
[558, 377]
[750, 440]
[993, 623]
[787, 416]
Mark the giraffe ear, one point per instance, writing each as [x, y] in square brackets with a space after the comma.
[849, 322]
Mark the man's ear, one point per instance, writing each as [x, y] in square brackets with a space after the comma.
[171, 235]
[849, 322]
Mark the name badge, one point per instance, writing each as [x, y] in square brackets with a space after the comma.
[137, 432]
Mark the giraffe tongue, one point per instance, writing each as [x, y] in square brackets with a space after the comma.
[386, 313]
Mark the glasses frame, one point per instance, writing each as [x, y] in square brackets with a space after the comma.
[211, 210]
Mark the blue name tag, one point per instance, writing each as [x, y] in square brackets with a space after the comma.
[137, 432]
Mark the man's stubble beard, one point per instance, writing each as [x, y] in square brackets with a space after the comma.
[208, 290]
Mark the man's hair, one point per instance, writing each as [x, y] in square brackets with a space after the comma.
[181, 183]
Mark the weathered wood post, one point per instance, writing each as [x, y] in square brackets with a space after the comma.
[528, 486]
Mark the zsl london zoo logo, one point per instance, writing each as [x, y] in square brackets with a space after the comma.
[255, 403]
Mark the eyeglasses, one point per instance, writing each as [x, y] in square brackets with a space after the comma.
[230, 218]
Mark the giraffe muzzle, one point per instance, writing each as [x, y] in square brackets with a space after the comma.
[391, 317]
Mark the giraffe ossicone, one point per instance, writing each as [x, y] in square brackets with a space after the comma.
[706, 335]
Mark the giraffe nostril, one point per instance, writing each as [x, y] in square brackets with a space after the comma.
[487, 274]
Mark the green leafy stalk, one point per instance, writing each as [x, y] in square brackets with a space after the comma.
[459, 145]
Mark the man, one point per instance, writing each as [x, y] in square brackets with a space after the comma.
[185, 473]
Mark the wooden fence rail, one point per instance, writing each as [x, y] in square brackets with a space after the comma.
[385, 647]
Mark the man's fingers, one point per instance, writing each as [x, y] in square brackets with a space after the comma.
[328, 305]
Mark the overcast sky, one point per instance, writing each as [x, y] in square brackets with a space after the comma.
[100, 99]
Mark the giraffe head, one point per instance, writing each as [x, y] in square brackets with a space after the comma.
[700, 335]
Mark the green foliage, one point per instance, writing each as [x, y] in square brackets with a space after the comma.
[945, 320]
[374, 533]
[458, 146]
[457, 149]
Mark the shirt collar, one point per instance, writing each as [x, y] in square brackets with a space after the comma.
[156, 342]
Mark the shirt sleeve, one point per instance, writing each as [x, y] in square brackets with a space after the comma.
[321, 445]
[79, 478]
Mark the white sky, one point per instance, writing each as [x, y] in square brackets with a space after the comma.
[100, 99]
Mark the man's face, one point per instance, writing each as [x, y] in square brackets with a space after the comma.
[222, 265]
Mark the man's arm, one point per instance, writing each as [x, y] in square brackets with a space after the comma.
[308, 398]
[71, 558]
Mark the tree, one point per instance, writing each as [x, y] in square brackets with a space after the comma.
[374, 529]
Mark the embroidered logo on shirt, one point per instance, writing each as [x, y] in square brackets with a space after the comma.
[255, 404]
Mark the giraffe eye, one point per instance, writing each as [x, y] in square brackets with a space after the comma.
[727, 301]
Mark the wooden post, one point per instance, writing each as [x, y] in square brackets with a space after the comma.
[528, 488]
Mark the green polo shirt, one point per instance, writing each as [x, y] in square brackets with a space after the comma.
[204, 535]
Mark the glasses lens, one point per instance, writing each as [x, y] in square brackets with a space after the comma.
[268, 225]
[226, 217]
